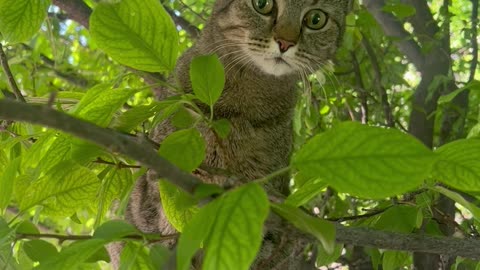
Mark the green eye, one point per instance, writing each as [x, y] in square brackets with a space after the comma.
[315, 19]
[263, 7]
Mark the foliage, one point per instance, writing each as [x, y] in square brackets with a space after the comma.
[372, 175]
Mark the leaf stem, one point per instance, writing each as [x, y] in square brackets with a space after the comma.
[273, 175]
[10, 78]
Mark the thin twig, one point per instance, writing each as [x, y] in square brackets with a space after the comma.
[360, 87]
[151, 238]
[10, 78]
[119, 165]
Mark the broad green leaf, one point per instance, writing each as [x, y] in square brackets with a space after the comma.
[324, 258]
[365, 161]
[27, 227]
[21, 19]
[6, 233]
[136, 33]
[130, 119]
[459, 164]
[460, 200]
[237, 230]
[184, 148]
[474, 132]
[195, 233]
[7, 180]
[159, 256]
[39, 250]
[401, 11]
[74, 255]
[474, 85]
[208, 78]
[178, 205]
[306, 192]
[222, 128]
[393, 260]
[58, 150]
[135, 257]
[115, 230]
[67, 188]
[101, 110]
[323, 230]
[399, 218]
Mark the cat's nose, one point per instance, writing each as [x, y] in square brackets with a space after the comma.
[284, 45]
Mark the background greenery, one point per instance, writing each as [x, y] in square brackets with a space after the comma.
[405, 64]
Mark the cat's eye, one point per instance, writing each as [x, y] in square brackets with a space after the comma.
[263, 7]
[315, 19]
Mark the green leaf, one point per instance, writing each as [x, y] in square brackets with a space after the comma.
[115, 230]
[208, 78]
[195, 233]
[474, 132]
[27, 227]
[39, 250]
[474, 85]
[222, 127]
[458, 165]
[130, 119]
[460, 200]
[324, 258]
[401, 11]
[135, 257]
[136, 33]
[323, 230]
[106, 102]
[237, 230]
[306, 192]
[159, 256]
[6, 233]
[393, 260]
[21, 19]
[399, 218]
[74, 255]
[7, 180]
[179, 206]
[67, 188]
[365, 161]
[184, 148]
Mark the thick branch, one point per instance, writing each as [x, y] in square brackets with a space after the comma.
[466, 248]
[393, 28]
[109, 139]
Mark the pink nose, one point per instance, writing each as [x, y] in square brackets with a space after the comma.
[284, 45]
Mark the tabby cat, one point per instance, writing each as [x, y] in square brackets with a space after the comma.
[266, 46]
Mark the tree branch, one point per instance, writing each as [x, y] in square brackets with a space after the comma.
[8, 73]
[76, 10]
[109, 139]
[466, 248]
[392, 27]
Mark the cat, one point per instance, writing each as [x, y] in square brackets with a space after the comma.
[266, 46]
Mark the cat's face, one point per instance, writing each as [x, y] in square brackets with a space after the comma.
[281, 36]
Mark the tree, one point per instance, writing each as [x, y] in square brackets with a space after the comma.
[382, 173]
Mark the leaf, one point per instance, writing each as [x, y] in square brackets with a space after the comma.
[208, 78]
[237, 229]
[100, 110]
[195, 233]
[306, 192]
[159, 256]
[324, 258]
[115, 230]
[21, 19]
[73, 256]
[27, 227]
[458, 165]
[222, 127]
[7, 180]
[67, 188]
[130, 119]
[7, 234]
[136, 33]
[135, 257]
[179, 206]
[399, 218]
[323, 230]
[460, 200]
[39, 250]
[365, 161]
[393, 260]
[474, 85]
[401, 11]
[474, 132]
[184, 148]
